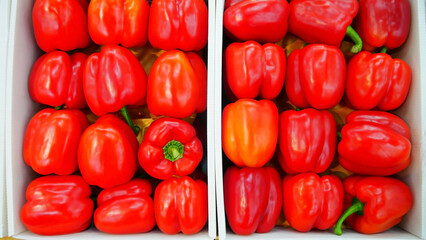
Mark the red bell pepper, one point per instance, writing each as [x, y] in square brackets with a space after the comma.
[170, 147]
[324, 21]
[180, 205]
[180, 24]
[374, 143]
[253, 70]
[311, 201]
[253, 199]
[107, 153]
[383, 23]
[250, 132]
[263, 21]
[177, 85]
[60, 24]
[57, 79]
[124, 22]
[380, 203]
[377, 81]
[126, 208]
[307, 140]
[316, 76]
[113, 79]
[51, 141]
[57, 205]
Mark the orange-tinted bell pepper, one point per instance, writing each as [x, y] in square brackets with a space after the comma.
[107, 153]
[57, 205]
[51, 141]
[116, 22]
[253, 70]
[180, 205]
[57, 79]
[126, 208]
[374, 143]
[250, 132]
[307, 140]
[180, 24]
[380, 203]
[311, 201]
[177, 85]
[60, 24]
[253, 199]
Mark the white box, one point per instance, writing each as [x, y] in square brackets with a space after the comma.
[413, 112]
[23, 52]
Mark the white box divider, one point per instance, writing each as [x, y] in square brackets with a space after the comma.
[23, 52]
[413, 112]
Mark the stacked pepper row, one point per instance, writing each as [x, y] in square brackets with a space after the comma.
[59, 140]
[373, 144]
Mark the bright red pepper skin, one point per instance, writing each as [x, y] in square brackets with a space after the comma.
[60, 24]
[383, 23]
[180, 205]
[319, 21]
[114, 22]
[107, 152]
[113, 79]
[165, 137]
[377, 81]
[57, 78]
[250, 132]
[57, 205]
[177, 85]
[311, 201]
[178, 24]
[126, 208]
[51, 141]
[252, 70]
[260, 189]
[264, 21]
[306, 140]
[384, 202]
[374, 143]
[316, 76]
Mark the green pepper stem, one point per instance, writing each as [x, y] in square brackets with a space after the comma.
[173, 150]
[60, 107]
[384, 50]
[357, 47]
[339, 136]
[298, 109]
[356, 207]
[126, 116]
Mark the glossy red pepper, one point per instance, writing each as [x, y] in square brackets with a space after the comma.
[117, 22]
[107, 153]
[51, 141]
[253, 199]
[374, 143]
[126, 208]
[263, 21]
[253, 70]
[324, 21]
[57, 79]
[60, 24]
[180, 205]
[177, 85]
[180, 24]
[170, 147]
[57, 205]
[380, 203]
[114, 79]
[311, 201]
[316, 76]
[377, 81]
[383, 23]
[250, 132]
[306, 140]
